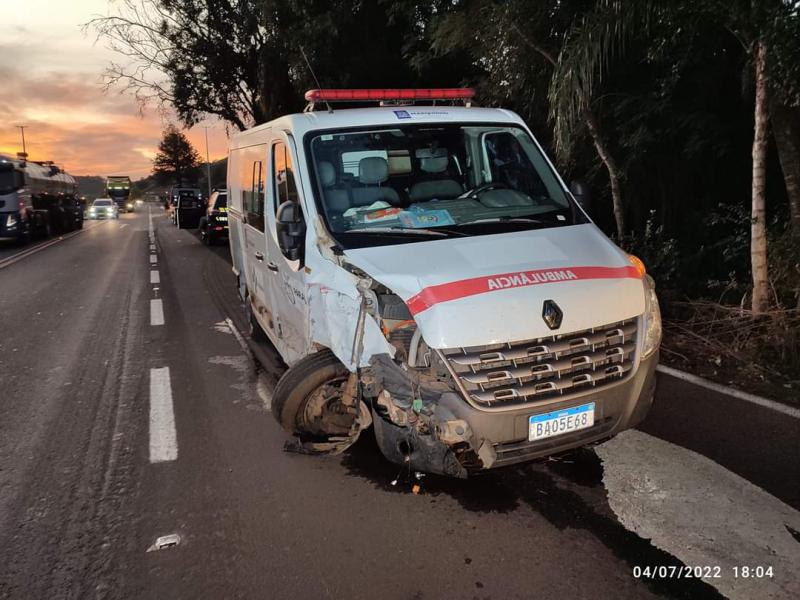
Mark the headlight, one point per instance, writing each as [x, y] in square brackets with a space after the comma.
[11, 221]
[652, 318]
[91, 210]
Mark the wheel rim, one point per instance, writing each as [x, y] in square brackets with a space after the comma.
[323, 415]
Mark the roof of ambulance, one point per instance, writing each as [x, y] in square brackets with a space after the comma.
[302, 123]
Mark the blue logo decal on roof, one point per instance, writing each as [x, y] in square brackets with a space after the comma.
[402, 114]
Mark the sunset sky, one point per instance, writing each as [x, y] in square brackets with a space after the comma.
[51, 74]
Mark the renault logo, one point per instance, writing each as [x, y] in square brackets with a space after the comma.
[551, 314]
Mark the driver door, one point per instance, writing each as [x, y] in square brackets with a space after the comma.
[287, 282]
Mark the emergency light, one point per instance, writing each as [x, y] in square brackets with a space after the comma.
[370, 95]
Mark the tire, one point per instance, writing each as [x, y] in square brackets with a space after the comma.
[298, 383]
[204, 234]
[24, 238]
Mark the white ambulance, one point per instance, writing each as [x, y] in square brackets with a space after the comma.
[422, 268]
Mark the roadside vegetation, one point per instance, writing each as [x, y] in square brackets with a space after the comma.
[683, 117]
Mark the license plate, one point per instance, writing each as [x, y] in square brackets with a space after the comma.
[225, 219]
[560, 421]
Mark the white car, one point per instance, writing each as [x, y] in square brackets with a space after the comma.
[423, 268]
[103, 208]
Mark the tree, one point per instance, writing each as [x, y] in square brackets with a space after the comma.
[241, 60]
[175, 156]
[758, 231]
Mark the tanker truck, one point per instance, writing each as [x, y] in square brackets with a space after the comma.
[37, 199]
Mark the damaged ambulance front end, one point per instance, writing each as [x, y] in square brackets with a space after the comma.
[511, 365]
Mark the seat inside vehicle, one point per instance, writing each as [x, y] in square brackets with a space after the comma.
[434, 163]
[337, 197]
[373, 171]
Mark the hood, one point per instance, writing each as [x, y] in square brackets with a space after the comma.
[490, 289]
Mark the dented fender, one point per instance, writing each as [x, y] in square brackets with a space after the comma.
[335, 302]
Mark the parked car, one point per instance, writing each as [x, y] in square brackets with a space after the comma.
[214, 224]
[426, 271]
[177, 193]
[103, 208]
[188, 211]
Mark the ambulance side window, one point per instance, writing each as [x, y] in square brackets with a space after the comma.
[285, 186]
[254, 195]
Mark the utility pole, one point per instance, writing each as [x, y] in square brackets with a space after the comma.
[208, 163]
[22, 131]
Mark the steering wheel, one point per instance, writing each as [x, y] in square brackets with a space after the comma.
[482, 188]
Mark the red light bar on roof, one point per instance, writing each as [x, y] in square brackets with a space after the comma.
[389, 94]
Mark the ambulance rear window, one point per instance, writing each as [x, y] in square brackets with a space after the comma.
[399, 160]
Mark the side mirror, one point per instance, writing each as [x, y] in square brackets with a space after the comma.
[291, 229]
[581, 193]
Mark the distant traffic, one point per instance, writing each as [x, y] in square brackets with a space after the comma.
[39, 199]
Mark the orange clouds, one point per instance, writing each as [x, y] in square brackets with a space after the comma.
[71, 121]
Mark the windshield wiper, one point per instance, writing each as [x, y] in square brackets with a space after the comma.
[505, 219]
[397, 230]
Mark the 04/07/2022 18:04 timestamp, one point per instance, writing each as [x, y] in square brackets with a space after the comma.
[702, 572]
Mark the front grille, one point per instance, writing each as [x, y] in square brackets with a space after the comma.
[531, 370]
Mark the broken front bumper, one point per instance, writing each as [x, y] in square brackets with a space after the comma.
[458, 438]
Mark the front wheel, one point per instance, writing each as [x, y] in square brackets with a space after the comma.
[307, 402]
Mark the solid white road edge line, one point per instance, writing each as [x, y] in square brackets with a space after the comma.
[163, 437]
[156, 312]
[155, 277]
[10, 260]
[729, 391]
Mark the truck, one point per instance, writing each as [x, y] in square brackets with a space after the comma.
[118, 188]
[427, 276]
[37, 199]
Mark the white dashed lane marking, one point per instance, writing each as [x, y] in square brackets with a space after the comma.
[155, 277]
[156, 312]
[153, 259]
[163, 437]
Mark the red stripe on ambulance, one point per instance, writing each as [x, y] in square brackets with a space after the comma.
[454, 290]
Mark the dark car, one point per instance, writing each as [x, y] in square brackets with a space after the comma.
[176, 194]
[188, 210]
[214, 224]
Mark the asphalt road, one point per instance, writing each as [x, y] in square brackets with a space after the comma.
[116, 430]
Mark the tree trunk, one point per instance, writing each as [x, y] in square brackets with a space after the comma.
[613, 171]
[758, 231]
[597, 139]
[786, 129]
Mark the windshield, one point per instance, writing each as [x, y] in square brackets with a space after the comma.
[102, 203]
[442, 180]
[6, 180]
[221, 202]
